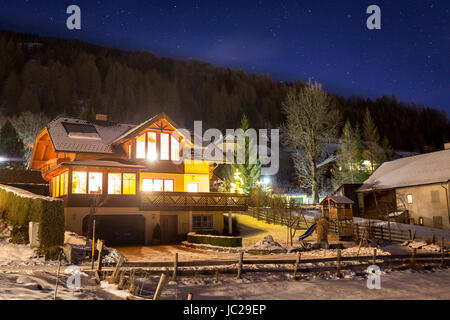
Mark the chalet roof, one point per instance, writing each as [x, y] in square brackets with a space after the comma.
[339, 199]
[92, 143]
[422, 169]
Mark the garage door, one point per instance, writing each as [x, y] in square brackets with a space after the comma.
[118, 230]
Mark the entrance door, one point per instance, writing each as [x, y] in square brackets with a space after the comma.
[169, 229]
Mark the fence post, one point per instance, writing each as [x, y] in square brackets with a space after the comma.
[374, 256]
[442, 253]
[338, 263]
[239, 271]
[413, 258]
[389, 230]
[296, 265]
[159, 288]
[175, 266]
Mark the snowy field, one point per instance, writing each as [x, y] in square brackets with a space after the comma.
[405, 285]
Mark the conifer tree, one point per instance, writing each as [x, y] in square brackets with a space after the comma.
[347, 165]
[372, 142]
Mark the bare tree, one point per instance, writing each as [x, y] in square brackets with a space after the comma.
[28, 125]
[311, 122]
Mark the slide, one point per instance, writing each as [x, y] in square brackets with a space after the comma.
[308, 232]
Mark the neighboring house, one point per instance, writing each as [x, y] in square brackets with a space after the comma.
[24, 179]
[128, 176]
[419, 185]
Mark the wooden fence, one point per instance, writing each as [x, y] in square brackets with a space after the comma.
[270, 216]
[383, 232]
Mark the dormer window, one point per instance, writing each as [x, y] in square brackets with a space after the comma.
[140, 147]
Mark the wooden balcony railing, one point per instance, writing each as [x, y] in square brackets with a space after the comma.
[193, 201]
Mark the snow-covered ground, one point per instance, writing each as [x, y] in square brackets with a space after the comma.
[403, 285]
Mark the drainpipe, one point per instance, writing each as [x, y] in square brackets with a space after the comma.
[446, 198]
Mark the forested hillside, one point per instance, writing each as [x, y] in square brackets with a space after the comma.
[58, 76]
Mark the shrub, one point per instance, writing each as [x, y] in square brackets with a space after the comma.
[222, 241]
[19, 207]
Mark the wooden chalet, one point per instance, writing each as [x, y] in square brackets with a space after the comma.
[339, 211]
[131, 176]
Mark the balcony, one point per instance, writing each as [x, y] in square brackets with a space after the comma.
[193, 201]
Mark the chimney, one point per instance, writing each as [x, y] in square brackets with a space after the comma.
[101, 117]
[447, 146]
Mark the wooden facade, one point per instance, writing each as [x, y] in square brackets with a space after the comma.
[134, 171]
[339, 209]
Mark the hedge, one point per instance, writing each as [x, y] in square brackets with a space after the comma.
[222, 241]
[18, 207]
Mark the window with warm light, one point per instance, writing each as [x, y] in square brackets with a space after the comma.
[129, 183]
[175, 148]
[158, 185]
[164, 146]
[168, 185]
[79, 181]
[56, 194]
[192, 187]
[410, 198]
[95, 182]
[114, 183]
[66, 182]
[152, 154]
[140, 147]
[147, 185]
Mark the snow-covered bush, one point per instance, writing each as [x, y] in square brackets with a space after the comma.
[18, 207]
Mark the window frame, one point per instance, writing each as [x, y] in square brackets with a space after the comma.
[86, 181]
[204, 223]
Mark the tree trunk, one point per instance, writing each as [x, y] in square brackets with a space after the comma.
[314, 184]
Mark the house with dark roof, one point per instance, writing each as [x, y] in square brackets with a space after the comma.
[417, 185]
[131, 179]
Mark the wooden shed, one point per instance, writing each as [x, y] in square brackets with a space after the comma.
[339, 211]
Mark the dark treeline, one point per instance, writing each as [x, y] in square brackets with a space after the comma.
[58, 76]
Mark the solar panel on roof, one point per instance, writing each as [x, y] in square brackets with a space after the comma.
[79, 128]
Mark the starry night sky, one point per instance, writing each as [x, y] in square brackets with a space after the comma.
[291, 40]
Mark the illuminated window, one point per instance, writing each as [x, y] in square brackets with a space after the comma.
[66, 182]
[114, 183]
[410, 201]
[140, 147]
[168, 185]
[152, 154]
[147, 185]
[175, 148]
[129, 183]
[95, 182]
[79, 179]
[62, 184]
[164, 146]
[192, 187]
[129, 151]
[158, 185]
[56, 186]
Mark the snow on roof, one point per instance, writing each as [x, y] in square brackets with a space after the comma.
[339, 199]
[417, 170]
[26, 194]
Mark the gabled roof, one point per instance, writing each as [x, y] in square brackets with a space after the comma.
[422, 169]
[64, 141]
[339, 199]
[140, 127]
